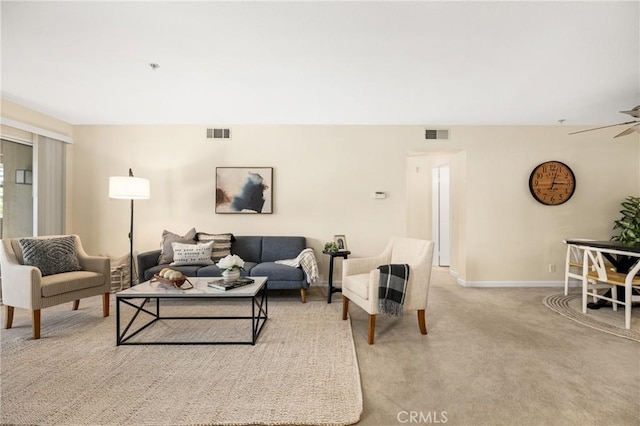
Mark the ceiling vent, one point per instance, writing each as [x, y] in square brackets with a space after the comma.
[433, 134]
[219, 133]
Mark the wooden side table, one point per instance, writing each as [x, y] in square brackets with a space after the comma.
[332, 255]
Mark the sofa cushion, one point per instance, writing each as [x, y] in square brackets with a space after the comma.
[359, 284]
[277, 272]
[280, 248]
[192, 254]
[249, 248]
[221, 244]
[50, 255]
[166, 255]
[209, 271]
[53, 285]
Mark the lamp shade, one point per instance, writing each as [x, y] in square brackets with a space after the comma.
[129, 188]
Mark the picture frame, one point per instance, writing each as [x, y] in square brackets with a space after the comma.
[244, 190]
[341, 242]
[24, 177]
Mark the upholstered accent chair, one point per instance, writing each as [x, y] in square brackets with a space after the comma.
[65, 273]
[360, 279]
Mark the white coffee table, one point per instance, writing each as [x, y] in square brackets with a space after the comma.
[139, 295]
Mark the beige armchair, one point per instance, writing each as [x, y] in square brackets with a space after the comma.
[360, 279]
[24, 286]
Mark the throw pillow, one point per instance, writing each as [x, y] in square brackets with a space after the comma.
[192, 254]
[50, 255]
[166, 255]
[221, 244]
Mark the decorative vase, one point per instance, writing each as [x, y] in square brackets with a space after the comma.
[230, 274]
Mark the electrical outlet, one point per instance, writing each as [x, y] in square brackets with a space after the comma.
[552, 267]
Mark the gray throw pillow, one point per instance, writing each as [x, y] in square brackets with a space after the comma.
[50, 255]
[166, 255]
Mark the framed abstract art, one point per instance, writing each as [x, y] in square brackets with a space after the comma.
[244, 190]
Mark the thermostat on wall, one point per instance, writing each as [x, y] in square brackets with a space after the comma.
[380, 195]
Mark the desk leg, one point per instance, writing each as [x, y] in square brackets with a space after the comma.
[330, 289]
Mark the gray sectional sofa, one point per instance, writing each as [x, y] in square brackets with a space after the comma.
[259, 254]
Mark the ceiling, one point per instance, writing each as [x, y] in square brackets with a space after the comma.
[419, 62]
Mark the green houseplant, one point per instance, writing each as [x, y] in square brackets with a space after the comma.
[331, 247]
[629, 224]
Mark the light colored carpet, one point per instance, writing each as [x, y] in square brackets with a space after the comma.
[494, 357]
[604, 319]
[303, 370]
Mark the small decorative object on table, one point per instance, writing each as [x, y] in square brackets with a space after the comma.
[222, 284]
[231, 266]
[172, 278]
[330, 247]
[341, 242]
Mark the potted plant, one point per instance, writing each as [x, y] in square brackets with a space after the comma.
[629, 224]
[231, 266]
[331, 247]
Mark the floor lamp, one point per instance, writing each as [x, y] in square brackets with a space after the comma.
[129, 188]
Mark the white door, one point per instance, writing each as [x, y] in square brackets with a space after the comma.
[441, 215]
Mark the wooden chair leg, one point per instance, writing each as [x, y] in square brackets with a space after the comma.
[421, 322]
[303, 295]
[105, 305]
[36, 324]
[76, 304]
[372, 328]
[8, 320]
[345, 307]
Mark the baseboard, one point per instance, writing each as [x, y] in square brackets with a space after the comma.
[486, 284]
[493, 284]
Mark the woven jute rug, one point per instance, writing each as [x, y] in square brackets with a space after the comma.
[603, 319]
[302, 371]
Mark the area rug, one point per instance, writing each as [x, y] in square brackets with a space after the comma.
[302, 371]
[603, 319]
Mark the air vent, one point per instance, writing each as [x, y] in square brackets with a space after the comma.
[218, 133]
[436, 134]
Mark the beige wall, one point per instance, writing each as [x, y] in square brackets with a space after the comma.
[325, 178]
[511, 235]
[324, 183]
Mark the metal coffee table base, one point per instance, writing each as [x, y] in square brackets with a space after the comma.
[259, 316]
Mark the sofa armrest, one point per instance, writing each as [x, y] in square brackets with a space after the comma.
[147, 260]
[21, 284]
[98, 264]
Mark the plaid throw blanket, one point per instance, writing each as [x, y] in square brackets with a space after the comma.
[391, 289]
[307, 260]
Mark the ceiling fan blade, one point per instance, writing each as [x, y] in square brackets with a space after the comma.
[603, 127]
[634, 112]
[630, 130]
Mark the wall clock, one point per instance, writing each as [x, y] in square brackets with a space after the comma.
[552, 183]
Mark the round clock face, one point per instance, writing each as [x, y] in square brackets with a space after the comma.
[552, 183]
